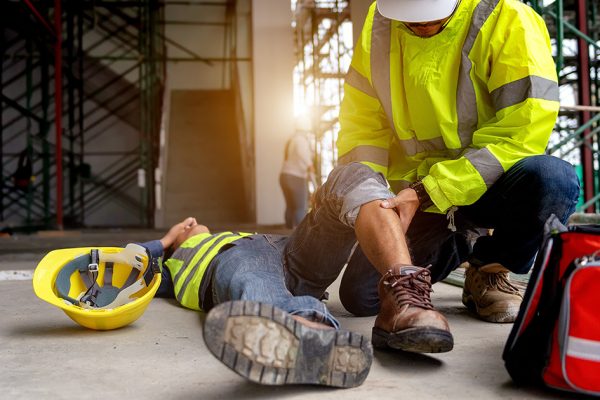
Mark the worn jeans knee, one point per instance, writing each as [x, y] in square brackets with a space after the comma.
[554, 183]
[320, 246]
[350, 186]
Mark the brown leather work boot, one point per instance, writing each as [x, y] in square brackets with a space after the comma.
[407, 320]
[266, 345]
[490, 295]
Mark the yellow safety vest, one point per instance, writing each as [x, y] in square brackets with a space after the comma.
[188, 264]
[456, 109]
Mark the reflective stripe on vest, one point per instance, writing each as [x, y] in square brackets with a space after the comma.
[194, 261]
[186, 255]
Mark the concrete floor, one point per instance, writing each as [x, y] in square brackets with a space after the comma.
[162, 355]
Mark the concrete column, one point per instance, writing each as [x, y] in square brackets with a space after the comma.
[273, 58]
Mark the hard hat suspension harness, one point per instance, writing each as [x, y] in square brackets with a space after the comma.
[107, 296]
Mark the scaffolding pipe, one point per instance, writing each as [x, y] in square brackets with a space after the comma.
[58, 111]
[587, 158]
[2, 50]
[580, 108]
[37, 14]
[576, 31]
[560, 36]
[80, 96]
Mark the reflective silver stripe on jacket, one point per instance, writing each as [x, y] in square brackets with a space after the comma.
[466, 102]
[486, 164]
[359, 82]
[186, 255]
[374, 154]
[189, 276]
[380, 63]
[522, 89]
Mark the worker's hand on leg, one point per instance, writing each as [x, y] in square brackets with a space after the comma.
[406, 204]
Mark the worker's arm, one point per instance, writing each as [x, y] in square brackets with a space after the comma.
[157, 247]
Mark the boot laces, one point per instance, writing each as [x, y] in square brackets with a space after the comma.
[501, 282]
[412, 289]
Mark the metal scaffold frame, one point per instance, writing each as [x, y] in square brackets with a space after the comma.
[574, 29]
[83, 70]
[34, 53]
[323, 43]
[82, 36]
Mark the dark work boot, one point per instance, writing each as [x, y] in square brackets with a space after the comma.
[267, 345]
[407, 320]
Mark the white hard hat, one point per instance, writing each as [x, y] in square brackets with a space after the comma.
[416, 10]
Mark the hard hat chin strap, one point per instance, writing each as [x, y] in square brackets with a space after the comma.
[90, 295]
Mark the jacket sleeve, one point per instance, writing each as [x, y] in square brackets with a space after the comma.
[365, 133]
[522, 92]
[155, 248]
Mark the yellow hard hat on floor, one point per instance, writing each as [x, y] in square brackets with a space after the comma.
[99, 288]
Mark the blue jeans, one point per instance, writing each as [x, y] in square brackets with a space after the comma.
[252, 269]
[516, 207]
[295, 192]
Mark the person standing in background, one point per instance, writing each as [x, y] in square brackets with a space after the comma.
[295, 173]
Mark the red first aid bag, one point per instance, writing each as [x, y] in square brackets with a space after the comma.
[555, 340]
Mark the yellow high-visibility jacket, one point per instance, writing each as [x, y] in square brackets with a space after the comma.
[457, 109]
